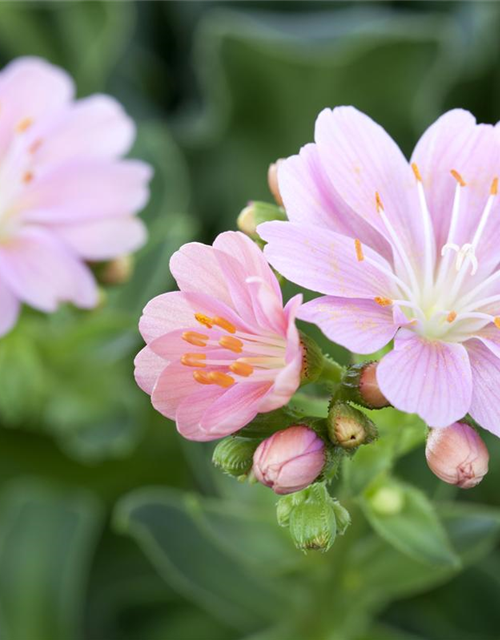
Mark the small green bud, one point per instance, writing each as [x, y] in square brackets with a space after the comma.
[348, 427]
[286, 504]
[234, 455]
[312, 360]
[272, 181]
[342, 517]
[359, 385]
[388, 500]
[312, 524]
[256, 213]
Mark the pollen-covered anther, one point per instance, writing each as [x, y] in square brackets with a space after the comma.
[241, 369]
[494, 187]
[359, 250]
[451, 316]
[197, 339]
[416, 172]
[23, 125]
[233, 344]
[458, 178]
[383, 302]
[202, 377]
[496, 320]
[204, 320]
[221, 379]
[224, 324]
[378, 202]
[193, 359]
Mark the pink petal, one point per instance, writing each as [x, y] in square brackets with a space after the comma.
[310, 198]
[41, 272]
[362, 326]
[323, 261]
[285, 385]
[361, 159]
[103, 239]
[95, 127]
[291, 310]
[234, 409]
[430, 378]
[9, 308]
[267, 307]
[191, 410]
[165, 313]
[174, 384]
[485, 405]
[148, 367]
[87, 190]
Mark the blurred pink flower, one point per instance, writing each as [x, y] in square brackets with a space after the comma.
[66, 197]
[223, 348]
[403, 251]
[289, 460]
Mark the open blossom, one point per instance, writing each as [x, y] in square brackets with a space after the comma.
[402, 250]
[223, 348]
[66, 196]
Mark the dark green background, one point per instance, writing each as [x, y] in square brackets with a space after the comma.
[112, 527]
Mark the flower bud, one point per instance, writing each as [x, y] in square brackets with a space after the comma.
[457, 455]
[360, 385]
[312, 522]
[256, 213]
[272, 181]
[286, 504]
[342, 517]
[234, 455]
[312, 360]
[348, 427]
[117, 271]
[289, 460]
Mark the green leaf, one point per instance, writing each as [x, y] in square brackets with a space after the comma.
[46, 540]
[403, 516]
[162, 523]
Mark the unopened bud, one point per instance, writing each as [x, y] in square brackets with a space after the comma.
[234, 455]
[312, 522]
[348, 427]
[256, 213]
[457, 455]
[117, 271]
[312, 360]
[289, 460]
[342, 517]
[286, 504]
[360, 385]
[272, 181]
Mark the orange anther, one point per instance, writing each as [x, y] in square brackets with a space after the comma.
[383, 302]
[23, 125]
[359, 250]
[494, 187]
[204, 320]
[224, 324]
[221, 379]
[33, 148]
[451, 316]
[458, 178]
[378, 202]
[497, 322]
[193, 359]
[416, 171]
[198, 339]
[233, 344]
[241, 369]
[202, 377]
[28, 177]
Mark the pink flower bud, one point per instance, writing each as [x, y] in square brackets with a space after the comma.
[457, 455]
[369, 389]
[272, 181]
[289, 460]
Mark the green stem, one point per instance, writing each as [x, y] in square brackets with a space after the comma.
[331, 373]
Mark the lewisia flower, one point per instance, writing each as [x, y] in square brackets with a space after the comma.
[402, 250]
[223, 348]
[66, 196]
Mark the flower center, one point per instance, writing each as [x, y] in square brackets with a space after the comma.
[227, 352]
[439, 300]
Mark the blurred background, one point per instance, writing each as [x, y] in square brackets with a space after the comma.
[111, 526]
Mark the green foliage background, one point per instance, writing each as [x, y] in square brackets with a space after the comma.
[111, 526]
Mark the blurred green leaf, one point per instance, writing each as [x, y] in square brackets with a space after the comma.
[412, 526]
[47, 536]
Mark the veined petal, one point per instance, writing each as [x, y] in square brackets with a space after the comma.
[485, 404]
[148, 367]
[362, 326]
[430, 378]
[174, 384]
[324, 261]
[165, 313]
[9, 308]
[285, 385]
[190, 412]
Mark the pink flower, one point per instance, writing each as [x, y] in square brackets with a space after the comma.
[289, 460]
[223, 348]
[457, 455]
[66, 197]
[403, 251]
